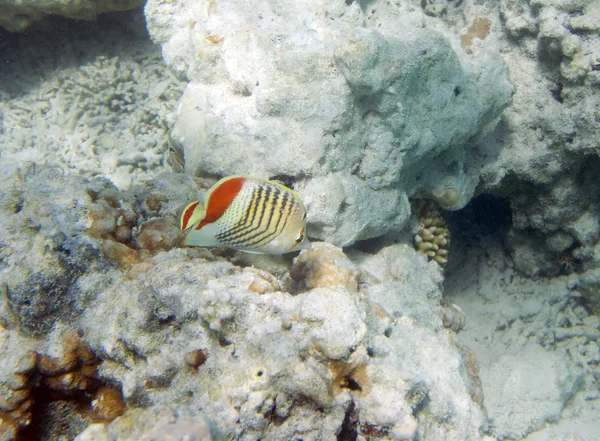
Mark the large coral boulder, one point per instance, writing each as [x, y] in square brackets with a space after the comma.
[358, 111]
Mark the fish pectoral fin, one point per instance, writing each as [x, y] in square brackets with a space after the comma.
[192, 215]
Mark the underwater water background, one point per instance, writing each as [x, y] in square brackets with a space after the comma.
[446, 153]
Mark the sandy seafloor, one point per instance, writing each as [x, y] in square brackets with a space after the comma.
[520, 329]
[96, 99]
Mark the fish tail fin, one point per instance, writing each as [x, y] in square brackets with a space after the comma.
[192, 215]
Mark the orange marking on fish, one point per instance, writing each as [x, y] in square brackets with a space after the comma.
[188, 214]
[220, 199]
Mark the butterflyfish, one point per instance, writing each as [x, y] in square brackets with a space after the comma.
[176, 154]
[247, 214]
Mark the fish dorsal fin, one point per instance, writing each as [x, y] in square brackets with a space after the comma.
[192, 214]
[288, 189]
[219, 198]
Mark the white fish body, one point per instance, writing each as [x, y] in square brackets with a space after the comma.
[248, 214]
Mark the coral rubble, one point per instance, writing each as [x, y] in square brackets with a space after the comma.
[359, 105]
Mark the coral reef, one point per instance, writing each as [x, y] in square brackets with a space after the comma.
[52, 246]
[348, 351]
[545, 149]
[548, 138]
[155, 424]
[358, 107]
[18, 15]
[44, 253]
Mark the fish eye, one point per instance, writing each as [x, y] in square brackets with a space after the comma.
[300, 238]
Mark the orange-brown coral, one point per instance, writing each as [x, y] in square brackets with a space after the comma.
[121, 254]
[350, 374]
[108, 404]
[115, 224]
[480, 28]
[65, 379]
[324, 265]
[109, 218]
[196, 358]
[159, 235]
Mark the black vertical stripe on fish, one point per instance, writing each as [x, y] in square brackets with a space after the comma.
[265, 205]
[262, 206]
[273, 205]
[264, 225]
[271, 232]
[283, 214]
[256, 206]
[257, 194]
[243, 222]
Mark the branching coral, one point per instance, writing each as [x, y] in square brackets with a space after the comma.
[433, 236]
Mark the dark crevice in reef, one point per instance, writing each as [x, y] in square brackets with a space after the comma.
[57, 416]
[484, 217]
[349, 426]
